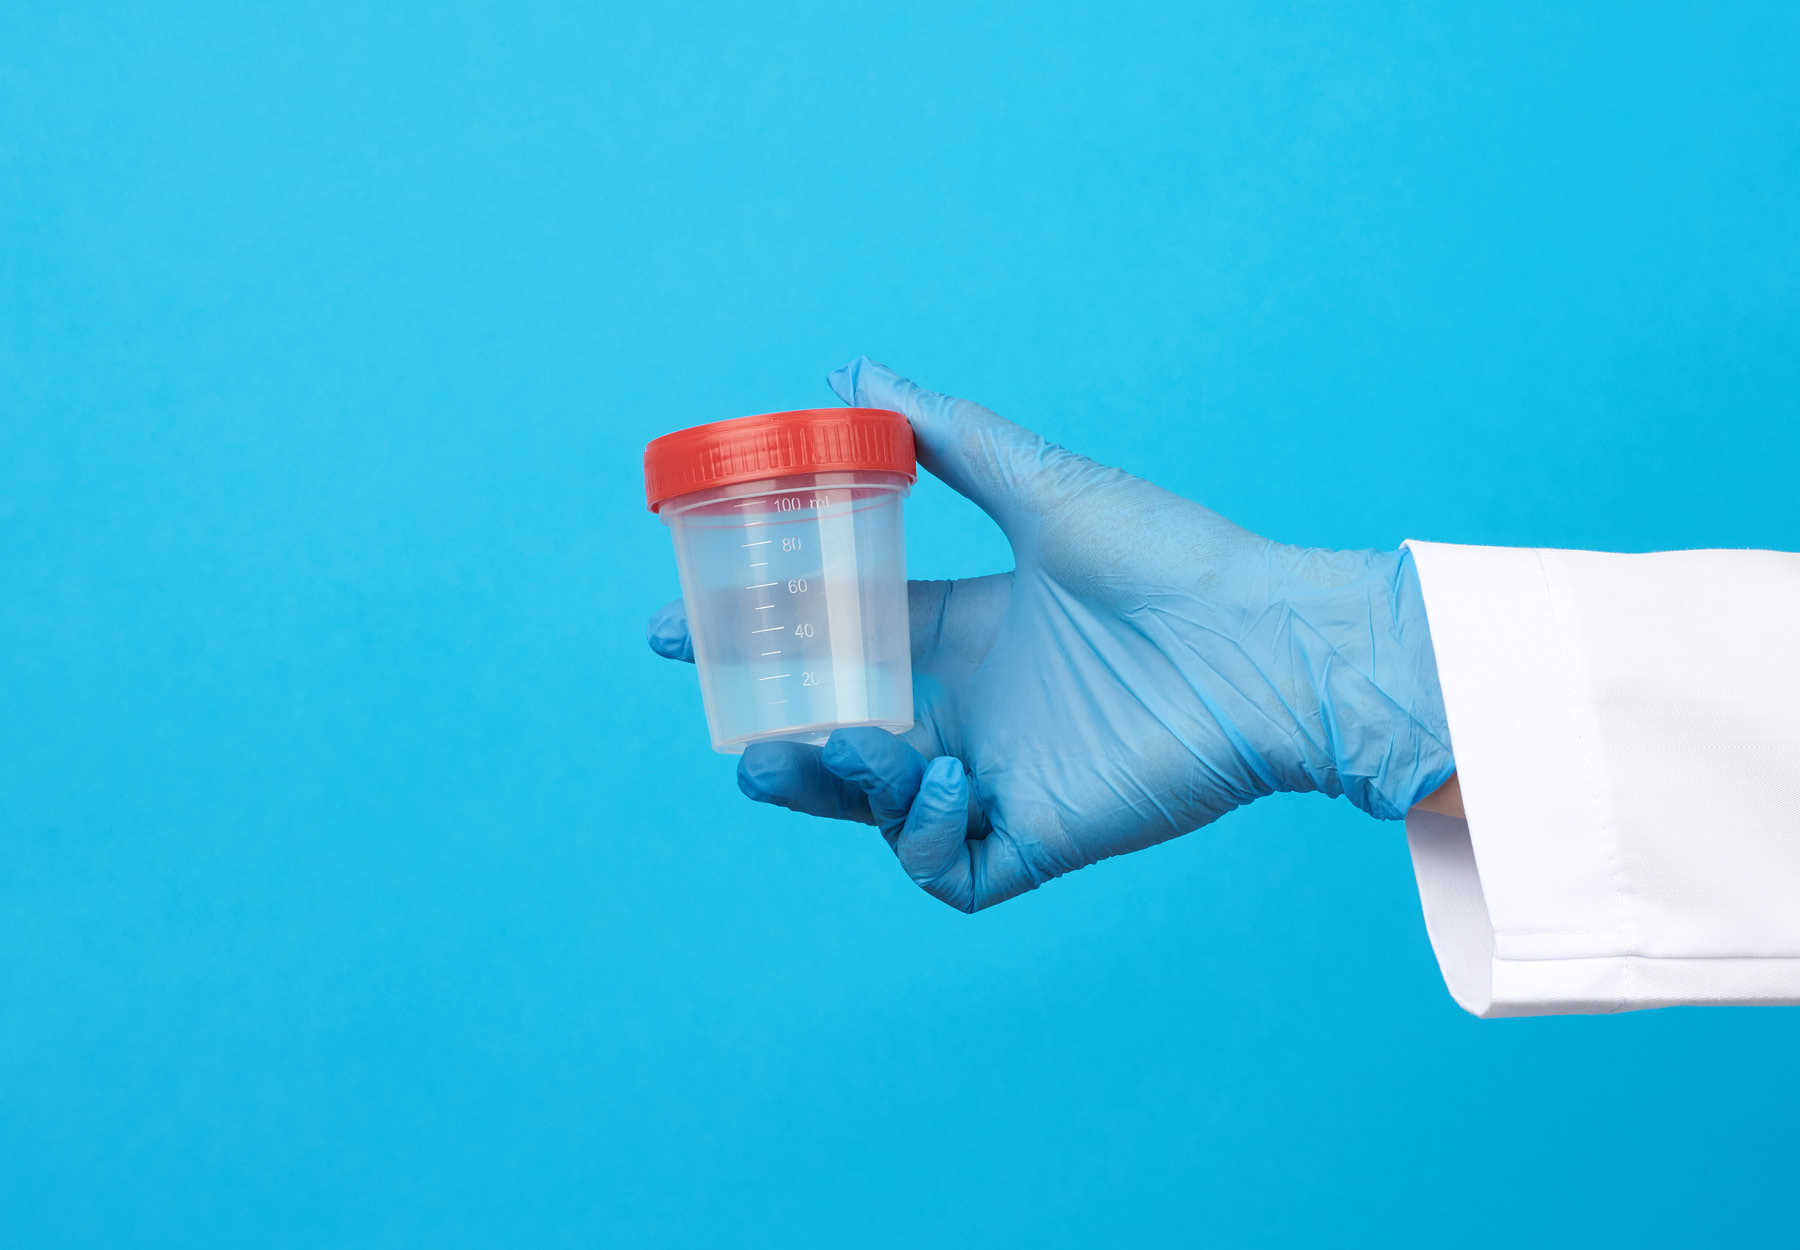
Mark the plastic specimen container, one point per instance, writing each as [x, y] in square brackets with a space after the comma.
[792, 552]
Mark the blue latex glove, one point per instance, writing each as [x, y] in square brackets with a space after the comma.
[1146, 667]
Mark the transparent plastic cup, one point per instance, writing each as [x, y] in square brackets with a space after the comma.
[795, 582]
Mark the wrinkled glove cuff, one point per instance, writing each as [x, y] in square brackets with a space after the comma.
[1381, 707]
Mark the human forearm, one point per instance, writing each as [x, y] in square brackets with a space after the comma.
[1446, 800]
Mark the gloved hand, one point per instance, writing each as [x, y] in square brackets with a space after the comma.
[1146, 667]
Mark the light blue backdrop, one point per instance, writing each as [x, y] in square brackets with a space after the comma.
[365, 881]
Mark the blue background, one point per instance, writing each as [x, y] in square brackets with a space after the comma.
[365, 881]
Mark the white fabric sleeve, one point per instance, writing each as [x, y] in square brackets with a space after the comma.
[1628, 747]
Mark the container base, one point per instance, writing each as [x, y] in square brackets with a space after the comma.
[814, 735]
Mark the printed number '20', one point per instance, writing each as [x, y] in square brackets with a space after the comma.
[809, 679]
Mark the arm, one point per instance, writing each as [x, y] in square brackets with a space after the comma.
[1146, 667]
[1627, 755]
[1446, 800]
[1625, 744]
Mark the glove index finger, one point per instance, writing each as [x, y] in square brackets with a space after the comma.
[792, 775]
[995, 464]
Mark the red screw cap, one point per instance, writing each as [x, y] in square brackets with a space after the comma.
[812, 440]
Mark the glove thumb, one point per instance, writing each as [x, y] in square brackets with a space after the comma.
[1004, 469]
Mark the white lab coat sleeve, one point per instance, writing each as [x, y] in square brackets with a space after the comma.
[1628, 744]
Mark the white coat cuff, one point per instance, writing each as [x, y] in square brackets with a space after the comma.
[1528, 904]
